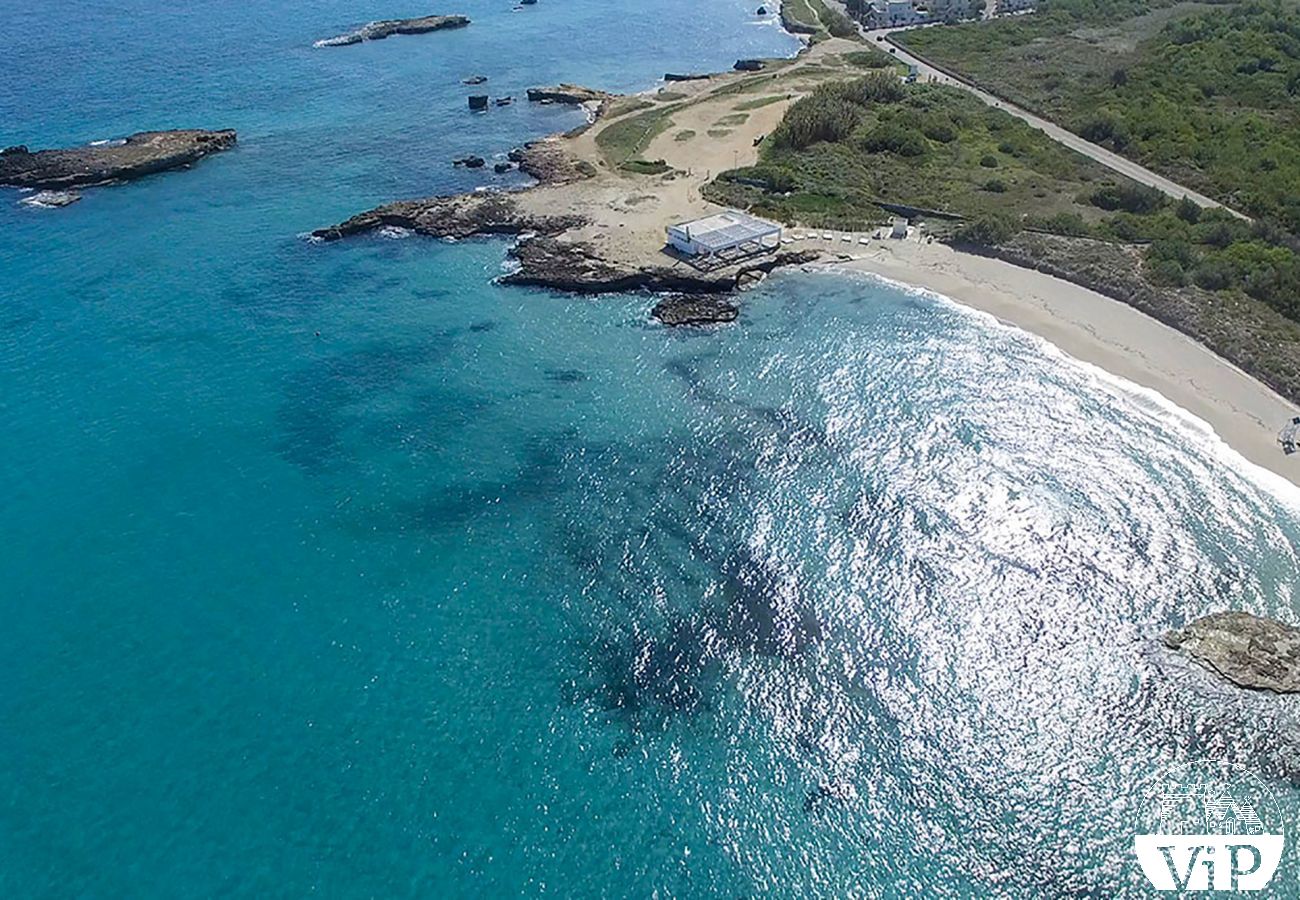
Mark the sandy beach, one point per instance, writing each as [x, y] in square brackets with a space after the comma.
[1103, 332]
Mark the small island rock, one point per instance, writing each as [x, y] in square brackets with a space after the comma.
[140, 154]
[1250, 651]
[377, 31]
[571, 94]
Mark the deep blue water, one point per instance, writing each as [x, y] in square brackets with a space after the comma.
[339, 570]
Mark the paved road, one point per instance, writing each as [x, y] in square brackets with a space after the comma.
[1055, 132]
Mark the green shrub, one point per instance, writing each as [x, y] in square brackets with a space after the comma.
[989, 161]
[1214, 274]
[987, 231]
[1129, 197]
[995, 186]
[939, 128]
[892, 137]
[1166, 272]
[821, 116]
[1188, 210]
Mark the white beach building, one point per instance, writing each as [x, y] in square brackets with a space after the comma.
[725, 235]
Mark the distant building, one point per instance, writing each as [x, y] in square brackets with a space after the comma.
[1011, 6]
[893, 13]
[949, 10]
[899, 229]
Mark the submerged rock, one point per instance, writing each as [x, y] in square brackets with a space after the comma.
[474, 79]
[1250, 651]
[767, 610]
[377, 31]
[51, 199]
[694, 309]
[478, 101]
[140, 154]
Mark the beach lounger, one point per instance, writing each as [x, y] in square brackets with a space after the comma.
[864, 240]
[827, 236]
[846, 238]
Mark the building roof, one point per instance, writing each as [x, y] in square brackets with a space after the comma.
[726, 229]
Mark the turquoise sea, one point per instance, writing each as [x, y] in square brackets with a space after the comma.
[340, 571]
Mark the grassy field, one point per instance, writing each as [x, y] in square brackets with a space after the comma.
[623, 140]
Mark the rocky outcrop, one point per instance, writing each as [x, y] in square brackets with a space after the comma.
[461, 216]
[377, 31]
[550, 163]
[674, 76]
[138, 155]
[572, 94]
[1248, 650]
[550, 261]
[694, 309]
[749, 65]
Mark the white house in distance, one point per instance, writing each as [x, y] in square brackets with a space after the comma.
[723, 236]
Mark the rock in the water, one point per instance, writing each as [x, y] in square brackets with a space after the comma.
[675, 76]
[377, 31]
[1248, 650]
[749, 65]
[502, 167]
[572, 94]
[762, 11]
[461, 216]
[469, 162]
[694, 309]
[505, 101]
[51, 199]
[478, 101]
[140, 154]
[474, 79]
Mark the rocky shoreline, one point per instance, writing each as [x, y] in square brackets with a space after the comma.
[143, 153]
[377, 31]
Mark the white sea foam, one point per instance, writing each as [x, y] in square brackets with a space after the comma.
[395, 232]
[1195, 432]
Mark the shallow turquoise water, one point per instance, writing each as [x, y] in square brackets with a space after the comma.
[340, 570]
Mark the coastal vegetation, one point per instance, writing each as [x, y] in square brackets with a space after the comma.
[850, 145]
[1208, 95]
